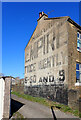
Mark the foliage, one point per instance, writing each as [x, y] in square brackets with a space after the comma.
[17, 115]
[48, 103]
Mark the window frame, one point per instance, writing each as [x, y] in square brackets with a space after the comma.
[78, 81]
[79, 41]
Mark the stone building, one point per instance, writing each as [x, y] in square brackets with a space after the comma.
[53, 60]
[13, 81]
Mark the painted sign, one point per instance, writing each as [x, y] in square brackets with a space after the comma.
[46, 57]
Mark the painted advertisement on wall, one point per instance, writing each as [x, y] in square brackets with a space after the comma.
[46, 57]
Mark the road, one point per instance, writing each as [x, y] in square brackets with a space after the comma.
[35, 110]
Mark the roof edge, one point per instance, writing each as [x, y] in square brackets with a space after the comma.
[68, 19]
[57, 17]
[74, 23]
[30, 37]
[42, 16]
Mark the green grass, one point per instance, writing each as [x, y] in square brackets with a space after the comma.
[48, 103]
[34, 99]
[17, 115]
[80, 115]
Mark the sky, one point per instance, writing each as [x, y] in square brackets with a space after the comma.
[19, 20]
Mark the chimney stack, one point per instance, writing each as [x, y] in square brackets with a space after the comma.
[40, 14]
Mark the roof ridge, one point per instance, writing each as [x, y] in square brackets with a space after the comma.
[57, 17]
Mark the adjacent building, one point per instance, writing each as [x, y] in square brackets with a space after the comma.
[17, 81]
[13, 81]
[53, 60]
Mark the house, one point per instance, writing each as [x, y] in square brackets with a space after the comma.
[53, 60]
[19, 81]
[18, 84]
[13, 81]
[22, 81]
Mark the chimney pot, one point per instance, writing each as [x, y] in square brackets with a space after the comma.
[40, 14]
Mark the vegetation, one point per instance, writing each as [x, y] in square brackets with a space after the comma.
[17, 115]
[48, 103]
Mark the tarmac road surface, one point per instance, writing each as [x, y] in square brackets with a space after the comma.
[35, 110]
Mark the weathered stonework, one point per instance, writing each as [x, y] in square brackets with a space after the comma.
[51, 92]
[50, 60]
[73, 57]
[7, 97]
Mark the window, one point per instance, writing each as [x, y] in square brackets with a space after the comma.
[79, 42]
[78, 72]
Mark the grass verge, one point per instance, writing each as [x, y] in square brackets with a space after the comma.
[48, 103]
[17, 115]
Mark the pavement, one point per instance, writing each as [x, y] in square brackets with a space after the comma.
[31, 109]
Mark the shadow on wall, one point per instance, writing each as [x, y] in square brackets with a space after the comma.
[15, 106]
[54, 93]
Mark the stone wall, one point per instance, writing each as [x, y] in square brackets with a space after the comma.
[54, 92]
[46, 60]
[50, 60]
[73, 99]
[18, 88]
[7, 97]
[74, 57]
[46, 57]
